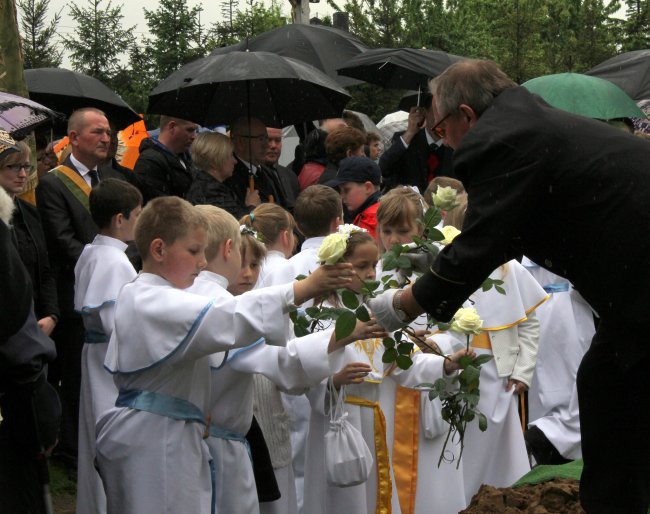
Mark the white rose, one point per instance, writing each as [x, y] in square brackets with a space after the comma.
[349, 228]
[450, 232]
[466, 321]
[445, 198]
[332, 248]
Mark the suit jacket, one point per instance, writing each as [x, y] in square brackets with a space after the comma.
[207, 190]
[265, 182]
[409, 166]
[570, 193]
[289, 183]
[161, 173]
[68, 227]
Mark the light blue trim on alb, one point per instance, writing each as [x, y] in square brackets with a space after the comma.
[231, 355]
[95, 337]
[187, 337]
[161, 404]
[562, 287]
[229, 435]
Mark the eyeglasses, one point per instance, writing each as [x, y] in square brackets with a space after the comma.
[17, 167]
[262, 138]
[438, 130]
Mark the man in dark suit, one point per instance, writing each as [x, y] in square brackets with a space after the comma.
[251, 141]
[62, 200]
[416, 155]
[287, 178]
[571, 194]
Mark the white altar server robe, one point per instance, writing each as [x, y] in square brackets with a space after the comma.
[101, 271]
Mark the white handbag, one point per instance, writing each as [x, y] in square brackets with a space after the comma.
[348, 459]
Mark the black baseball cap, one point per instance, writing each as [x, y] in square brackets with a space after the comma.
[358, 169]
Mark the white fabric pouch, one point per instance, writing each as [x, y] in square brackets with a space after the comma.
[348, 459]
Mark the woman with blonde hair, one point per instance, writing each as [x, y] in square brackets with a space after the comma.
[212, 155]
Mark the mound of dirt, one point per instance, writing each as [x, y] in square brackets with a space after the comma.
[559, 496]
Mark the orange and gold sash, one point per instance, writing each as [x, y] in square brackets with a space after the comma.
[384, 485]
[75, 184]
[405, 446]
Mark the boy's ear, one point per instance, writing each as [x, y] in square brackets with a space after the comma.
[227, 249]
[157, 250]
[369, 187]
[117, 220]
[285, 237]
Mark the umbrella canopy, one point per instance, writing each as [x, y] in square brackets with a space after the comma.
[19, 116]
[630, 71]
[66, 91]
[221, 88]
[323, 47]
[588, 96]
[398, 68]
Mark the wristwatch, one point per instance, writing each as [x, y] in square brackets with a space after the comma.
[397, 305]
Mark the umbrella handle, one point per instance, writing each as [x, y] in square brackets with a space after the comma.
[251, 183]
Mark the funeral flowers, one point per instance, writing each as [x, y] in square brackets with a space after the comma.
[445, 198]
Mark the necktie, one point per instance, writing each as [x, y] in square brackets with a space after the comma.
[94, 178]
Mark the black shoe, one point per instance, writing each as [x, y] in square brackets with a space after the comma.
[541, 448]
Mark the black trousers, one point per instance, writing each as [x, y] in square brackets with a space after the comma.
[614, 397]
[69, 338]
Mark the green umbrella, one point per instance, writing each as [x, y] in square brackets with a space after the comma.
[588, 96]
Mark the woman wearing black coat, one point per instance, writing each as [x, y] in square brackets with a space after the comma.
[28, 238]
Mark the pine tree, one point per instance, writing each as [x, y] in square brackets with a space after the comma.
[40, 49]
[100, 39]
[636, 28]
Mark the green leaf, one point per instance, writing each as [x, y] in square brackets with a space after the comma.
[500, 289]
[388, 342]
[389, 261]
[435, 234]
[403, 262]
[398, 336]
[468, 416]
[390, 355]
[465, 361]
[482, 359]
[362, 314]
[470, 375]
[301, 277]
[403, 361]
[349, 299]
[482, 422]
[345, 325]
[300, 331]
[433, 395]
[405, 348]
[312, 311]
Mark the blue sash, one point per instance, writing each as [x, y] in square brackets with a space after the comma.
[557, 288]
[95, 336]
[224, 433]
[161, 404]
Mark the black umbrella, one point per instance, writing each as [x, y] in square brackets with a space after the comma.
[323, 47]
[220, 88]
[414, 99]
[630, 71]
[398, 68]
[65, 91]
[19, 116]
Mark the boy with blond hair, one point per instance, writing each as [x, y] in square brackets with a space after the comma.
[303, 362]
[101, 271]
[150, 448]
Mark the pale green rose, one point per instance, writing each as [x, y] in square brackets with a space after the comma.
[332, 248]
[445, 198]
[450, 232]
[466, 321]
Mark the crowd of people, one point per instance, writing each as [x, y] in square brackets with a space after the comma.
[155, 302]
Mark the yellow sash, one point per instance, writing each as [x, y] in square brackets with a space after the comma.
[384, 485]
[482, 340]
[405, 446]
[74, 182]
